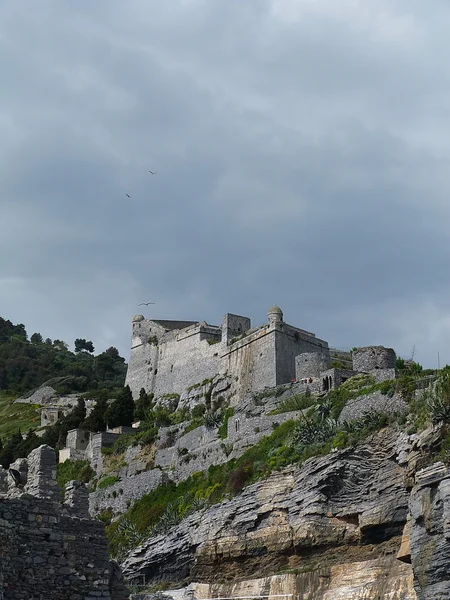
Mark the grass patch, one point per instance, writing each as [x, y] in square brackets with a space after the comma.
[78, 470]
[107, 481]
[16, 416]
[193, 425]
[223, 429]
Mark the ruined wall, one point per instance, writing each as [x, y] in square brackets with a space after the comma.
[48, 549]
[93, 452]
[371, 358]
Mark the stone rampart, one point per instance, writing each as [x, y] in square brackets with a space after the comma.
[119, 496]
[376, 401]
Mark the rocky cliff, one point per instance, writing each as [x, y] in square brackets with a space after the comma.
[352, 524]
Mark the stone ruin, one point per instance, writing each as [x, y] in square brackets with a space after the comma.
[49, 547]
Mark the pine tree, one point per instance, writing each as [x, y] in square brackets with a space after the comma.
[142, 404]
[121, 410]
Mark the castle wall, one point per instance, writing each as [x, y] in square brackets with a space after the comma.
[185, 359]
[252, 361]
[311, 364]
[144, 355]
[167, 362]
[289, 343]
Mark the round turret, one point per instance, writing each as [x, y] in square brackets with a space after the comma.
[275, 315]
[138, 318]
[371, 358]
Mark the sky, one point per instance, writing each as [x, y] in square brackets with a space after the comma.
[301, 150]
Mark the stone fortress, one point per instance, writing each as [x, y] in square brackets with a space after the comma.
[251, 371]
[170, 357]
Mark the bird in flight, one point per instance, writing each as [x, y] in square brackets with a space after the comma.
[128, 195]
[152, 172]
[145, 303]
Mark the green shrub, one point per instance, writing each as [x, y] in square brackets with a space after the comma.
[79, 470]
[437, 398]
[198, 411]
[293, 403]
[107, 481]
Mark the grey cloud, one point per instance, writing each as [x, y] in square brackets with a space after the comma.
[302, 159]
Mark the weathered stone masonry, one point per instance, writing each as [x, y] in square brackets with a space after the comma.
[50, 550]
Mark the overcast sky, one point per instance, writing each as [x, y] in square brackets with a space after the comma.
[302, 153]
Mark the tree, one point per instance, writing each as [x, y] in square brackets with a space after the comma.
[82, 344]
[114, 353]
[48, 341]
[121, 411]
[96, 421]
[60, 345]
[36, 338]
[142, 404]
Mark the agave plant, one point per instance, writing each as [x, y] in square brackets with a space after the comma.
[212, 420]
[313, 430]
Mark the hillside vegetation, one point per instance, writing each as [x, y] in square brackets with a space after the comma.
[27, 363]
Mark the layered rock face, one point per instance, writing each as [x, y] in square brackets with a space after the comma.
[336, 523]
[368, 523]
[430, 533]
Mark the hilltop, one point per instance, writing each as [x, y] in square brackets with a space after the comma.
[28, 363]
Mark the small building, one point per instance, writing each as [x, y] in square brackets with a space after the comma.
[77, 442]
[51, 414]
